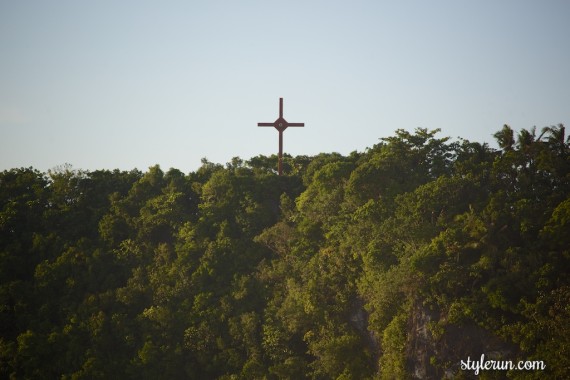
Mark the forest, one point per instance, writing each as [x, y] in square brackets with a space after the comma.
[398, 262]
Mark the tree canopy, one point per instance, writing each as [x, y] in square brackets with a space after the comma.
[397, 262]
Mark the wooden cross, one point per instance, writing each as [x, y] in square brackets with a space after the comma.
[280, 124]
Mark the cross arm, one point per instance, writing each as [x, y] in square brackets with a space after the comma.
[295, 124]
[265, 124]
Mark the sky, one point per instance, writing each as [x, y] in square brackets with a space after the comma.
[131, 84]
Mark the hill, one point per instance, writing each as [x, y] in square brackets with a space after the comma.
[403, 261]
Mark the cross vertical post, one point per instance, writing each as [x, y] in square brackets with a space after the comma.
[281, 125]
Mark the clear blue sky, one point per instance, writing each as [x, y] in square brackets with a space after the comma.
[130, 84]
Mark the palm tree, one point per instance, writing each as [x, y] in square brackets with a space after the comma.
[505, 138]
[556, 134]
[526, 139]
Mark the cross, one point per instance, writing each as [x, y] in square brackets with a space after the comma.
[280, 124]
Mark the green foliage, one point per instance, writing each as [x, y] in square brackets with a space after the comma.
[394, 263]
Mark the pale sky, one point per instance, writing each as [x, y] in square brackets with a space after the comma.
[131, 84]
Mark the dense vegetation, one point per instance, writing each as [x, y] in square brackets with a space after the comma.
[397, 262]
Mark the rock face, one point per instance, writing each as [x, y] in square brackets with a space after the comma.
[422, 347]
[359, 319]
[431, 356]
[435, 349]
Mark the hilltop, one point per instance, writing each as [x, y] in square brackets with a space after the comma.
[398, 262]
